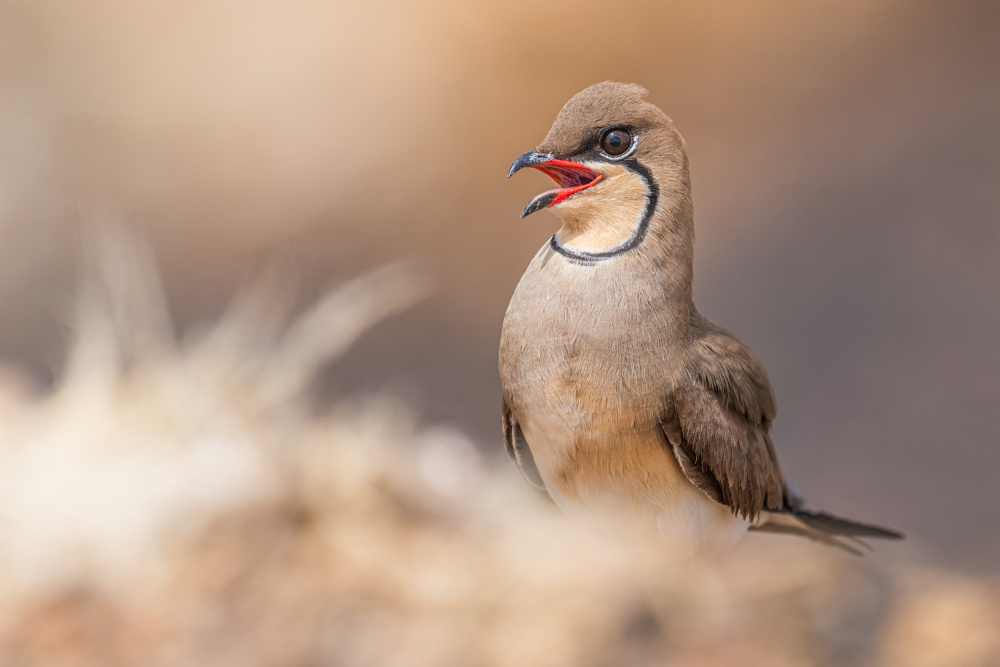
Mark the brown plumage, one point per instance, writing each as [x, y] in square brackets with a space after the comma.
[618, 394]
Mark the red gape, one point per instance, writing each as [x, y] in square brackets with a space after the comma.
[572, 176]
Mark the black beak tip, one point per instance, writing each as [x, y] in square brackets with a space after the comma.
[526, 160]
[538, 203]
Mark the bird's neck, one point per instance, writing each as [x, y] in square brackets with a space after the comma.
[670, 246]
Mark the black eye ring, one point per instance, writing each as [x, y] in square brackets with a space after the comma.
[616, 141]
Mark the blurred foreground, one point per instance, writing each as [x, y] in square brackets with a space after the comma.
[178, 503]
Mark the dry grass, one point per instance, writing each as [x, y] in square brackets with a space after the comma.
[173, 503]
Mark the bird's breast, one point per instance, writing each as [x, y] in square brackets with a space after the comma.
[605, 332]
[587, 356]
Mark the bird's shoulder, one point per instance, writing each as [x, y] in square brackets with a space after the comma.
[725, 365]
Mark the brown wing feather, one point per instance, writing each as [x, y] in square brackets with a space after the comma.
[517, 448]
[718, 424]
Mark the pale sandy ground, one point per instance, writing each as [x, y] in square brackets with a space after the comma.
[175, 503]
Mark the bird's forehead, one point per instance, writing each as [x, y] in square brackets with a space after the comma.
[601, 105]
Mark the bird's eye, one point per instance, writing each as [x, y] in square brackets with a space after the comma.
[616, 142]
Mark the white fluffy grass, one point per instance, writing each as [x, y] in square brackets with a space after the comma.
[145, 435]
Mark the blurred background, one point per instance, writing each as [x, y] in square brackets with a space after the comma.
[845, 158]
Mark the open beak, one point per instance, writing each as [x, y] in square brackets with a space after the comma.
[572, 177]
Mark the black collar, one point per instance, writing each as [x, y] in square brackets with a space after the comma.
[634, 239]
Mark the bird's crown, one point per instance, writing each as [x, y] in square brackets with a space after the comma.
[578, 127]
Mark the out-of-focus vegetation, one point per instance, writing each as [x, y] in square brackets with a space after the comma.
[174, 502]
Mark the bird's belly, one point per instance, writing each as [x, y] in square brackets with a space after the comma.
[627, 473]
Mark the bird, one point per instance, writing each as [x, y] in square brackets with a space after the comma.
[618, 395]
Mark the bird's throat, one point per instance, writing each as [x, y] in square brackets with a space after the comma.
[611, 218]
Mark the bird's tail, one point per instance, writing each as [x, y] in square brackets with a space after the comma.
[823, 527]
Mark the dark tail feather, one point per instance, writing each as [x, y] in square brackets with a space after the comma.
[837, 526]
[824, 528]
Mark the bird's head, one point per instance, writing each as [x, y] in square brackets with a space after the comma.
[617, 160]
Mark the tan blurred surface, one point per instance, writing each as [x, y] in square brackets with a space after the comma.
[844, 156]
